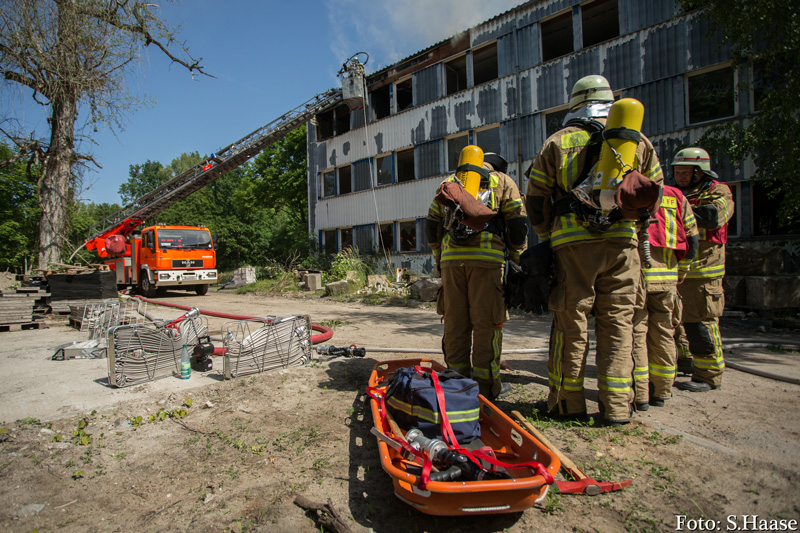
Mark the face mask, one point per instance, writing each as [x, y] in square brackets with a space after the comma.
[592, 110]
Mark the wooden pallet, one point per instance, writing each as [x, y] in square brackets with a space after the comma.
[22, 326]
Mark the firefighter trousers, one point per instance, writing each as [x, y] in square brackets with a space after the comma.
[599, 277]
[473, 306]
[703, 303]
[654, 353]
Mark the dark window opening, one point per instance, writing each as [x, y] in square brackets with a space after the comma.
[325, 125]
[384, 168]
[454, 147]
[404, 94]
[329, 236]
[387, 237]
[600, 21]
[711, 96]
[346, 237]
[455, 75]
[553, 121]
[765, 205]
[484, 64]
[381, 102]
[489, 141]
[345, 181]
[405, 165]
[408, 236]
[557, 36]
[328, 184]
[342, 119]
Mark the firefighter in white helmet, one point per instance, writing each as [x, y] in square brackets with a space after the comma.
[597, 266]
[471, 259]
[701, 292]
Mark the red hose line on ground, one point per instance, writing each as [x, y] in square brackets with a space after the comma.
[325, 332]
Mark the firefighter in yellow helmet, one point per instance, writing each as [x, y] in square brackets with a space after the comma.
[471, 260]
[670, 245]
[597, 267]
[701, 292]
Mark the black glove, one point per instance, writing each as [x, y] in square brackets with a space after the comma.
[514, 285]
[706, 216]
[537, 262]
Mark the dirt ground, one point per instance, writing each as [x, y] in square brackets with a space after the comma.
[248, 447]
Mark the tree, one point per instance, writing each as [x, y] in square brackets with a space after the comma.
[19, 212]
[74, 56]
[763, 35]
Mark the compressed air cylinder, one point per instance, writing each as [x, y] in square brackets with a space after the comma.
[470, 180]
[626, 113]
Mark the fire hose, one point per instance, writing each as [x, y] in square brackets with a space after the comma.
[324, 335]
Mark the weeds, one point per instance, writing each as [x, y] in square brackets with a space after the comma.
[552, 503]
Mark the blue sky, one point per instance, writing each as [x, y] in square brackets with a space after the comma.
[268, 57]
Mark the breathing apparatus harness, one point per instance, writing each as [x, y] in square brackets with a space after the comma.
[455, 217]
[580, 202]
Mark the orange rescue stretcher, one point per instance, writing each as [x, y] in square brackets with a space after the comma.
[511, 444]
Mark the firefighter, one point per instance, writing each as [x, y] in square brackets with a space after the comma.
[597, 267]
[701, 291]
[671, 243]
[471, 262]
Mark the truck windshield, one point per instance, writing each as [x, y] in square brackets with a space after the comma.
[184, 239]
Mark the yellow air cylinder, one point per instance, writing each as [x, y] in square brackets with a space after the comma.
[470, 180]
[626, 113]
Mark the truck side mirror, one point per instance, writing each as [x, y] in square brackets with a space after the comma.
[214, 240]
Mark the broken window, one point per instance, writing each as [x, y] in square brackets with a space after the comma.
[765, 204]
[408, 235]
[345, 179]
[324, 125]
[329, 241]
[553, 121]
[557, 36]
[600, 21]
[328, 183]
[381, 102]
[346, 238]
[489, 140]
[403, 94]
[405, 165]
[342, 114]
[455, 75]
[383, 166]
[711, 95]
[387, 237]
[454, 147]
[484, 64]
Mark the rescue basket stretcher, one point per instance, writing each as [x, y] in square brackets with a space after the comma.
[511, 445]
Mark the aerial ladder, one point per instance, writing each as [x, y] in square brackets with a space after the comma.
[182, 255]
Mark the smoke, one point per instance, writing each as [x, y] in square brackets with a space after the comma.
[391, 30]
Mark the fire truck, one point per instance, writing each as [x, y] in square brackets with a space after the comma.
[184, 257]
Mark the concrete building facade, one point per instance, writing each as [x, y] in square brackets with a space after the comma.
[504, 85]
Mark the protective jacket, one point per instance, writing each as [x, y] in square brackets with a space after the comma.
[554, 174]
[710, 261]
[668, 239]
[505, 234]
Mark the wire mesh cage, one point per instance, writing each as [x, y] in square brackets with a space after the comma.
[258, 345]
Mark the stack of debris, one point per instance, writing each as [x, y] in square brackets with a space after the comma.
[21, 307]
[79, 289]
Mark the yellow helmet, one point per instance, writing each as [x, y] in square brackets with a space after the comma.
[594, 88]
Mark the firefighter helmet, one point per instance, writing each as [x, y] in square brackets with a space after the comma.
[695, 157]
[497, 161]
[593, 88]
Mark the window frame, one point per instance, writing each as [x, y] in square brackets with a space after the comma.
[478, 50]
[400, 224]
[700, 72]
[381, 157]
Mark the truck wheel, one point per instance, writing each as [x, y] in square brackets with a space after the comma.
[145, 287]
[201, 290]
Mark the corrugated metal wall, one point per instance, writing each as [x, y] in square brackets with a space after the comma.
[648, 62]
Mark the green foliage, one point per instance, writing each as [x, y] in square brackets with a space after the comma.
[19, 213]
[770, 138]
[348, 260]
[80, 436]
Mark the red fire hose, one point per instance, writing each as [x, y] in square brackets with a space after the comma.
[325, 332]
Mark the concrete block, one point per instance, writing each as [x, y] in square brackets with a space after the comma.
[425, 289]
[313, 281]
[735, 288]
[773, 292]
[244, 276]
[758, 261]
[378, 282]
[338, 287]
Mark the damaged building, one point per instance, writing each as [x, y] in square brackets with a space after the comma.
[504, 85]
